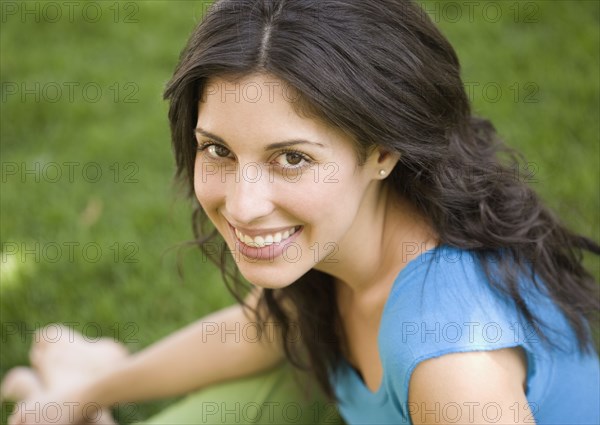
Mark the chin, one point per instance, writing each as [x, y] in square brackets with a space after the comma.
[268, 277]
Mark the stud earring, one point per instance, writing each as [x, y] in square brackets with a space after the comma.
[382, 172]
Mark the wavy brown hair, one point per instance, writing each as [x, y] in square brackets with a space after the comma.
[381, 71]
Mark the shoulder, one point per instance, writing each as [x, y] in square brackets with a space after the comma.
[443, 299]
[448, 336]
[474, 387]
[441, 275]
[446, 297]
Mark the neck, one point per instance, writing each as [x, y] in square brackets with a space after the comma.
[381, 242]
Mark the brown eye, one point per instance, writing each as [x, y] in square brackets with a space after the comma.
[218, 151]
[293, 158]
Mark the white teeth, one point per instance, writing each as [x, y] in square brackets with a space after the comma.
[265, 240]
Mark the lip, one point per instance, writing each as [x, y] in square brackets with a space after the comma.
[259, 232]
[269, 252]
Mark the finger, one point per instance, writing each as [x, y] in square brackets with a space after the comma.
[15, 417]
[19, 383]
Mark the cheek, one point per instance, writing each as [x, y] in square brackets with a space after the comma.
[207, 186]
[330, 203]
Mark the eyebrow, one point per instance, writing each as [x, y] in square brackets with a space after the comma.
[272, 146]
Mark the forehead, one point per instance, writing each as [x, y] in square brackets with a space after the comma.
[261, 107]
[253, 96]
[258, 88]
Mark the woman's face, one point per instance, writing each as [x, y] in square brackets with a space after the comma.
[286, 192]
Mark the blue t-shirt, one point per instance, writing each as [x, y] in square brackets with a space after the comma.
[441, 303]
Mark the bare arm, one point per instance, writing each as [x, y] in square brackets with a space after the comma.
[221, 346]
[474, 387]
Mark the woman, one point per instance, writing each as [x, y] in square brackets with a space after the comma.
[334, 156]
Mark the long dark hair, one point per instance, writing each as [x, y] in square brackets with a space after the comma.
[381, 71]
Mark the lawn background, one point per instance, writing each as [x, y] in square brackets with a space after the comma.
[544, 57]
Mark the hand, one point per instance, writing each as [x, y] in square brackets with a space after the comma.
[64, 365]
[50, 407]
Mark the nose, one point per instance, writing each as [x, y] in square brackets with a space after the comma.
[248, 197]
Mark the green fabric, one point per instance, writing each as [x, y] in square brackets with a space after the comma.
[279, 396]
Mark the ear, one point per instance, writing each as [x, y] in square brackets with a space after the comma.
[381, 161]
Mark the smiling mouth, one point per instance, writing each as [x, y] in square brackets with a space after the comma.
[267, 239]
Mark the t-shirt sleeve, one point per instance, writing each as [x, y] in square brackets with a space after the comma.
[446, 305]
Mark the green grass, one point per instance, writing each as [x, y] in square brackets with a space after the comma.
[554, 61]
